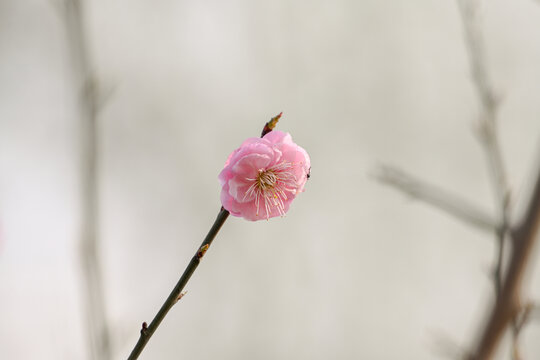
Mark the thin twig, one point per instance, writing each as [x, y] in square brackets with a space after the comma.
[524, 316]
[520, 321]
[469, 12]
[176, 294]
[148, 330]
[488, 100]
[487, 128]
[442, 199]
[98, 329]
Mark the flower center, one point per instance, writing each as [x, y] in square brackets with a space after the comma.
[266, 179]
[271, 185]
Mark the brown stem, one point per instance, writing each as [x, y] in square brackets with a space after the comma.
[148, 330]
[506, 308]
[176, 294]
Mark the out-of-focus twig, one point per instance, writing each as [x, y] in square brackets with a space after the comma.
[89, 104]
[521, 320]
[507, 290]
[507, 309]
[487, 127]
[442, 199]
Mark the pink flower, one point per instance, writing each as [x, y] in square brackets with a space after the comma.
[262, 177]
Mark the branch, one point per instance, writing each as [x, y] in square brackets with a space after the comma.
[444, 200]
[176, 293]
[88, 103]
[507, 290]
[506, 309]
[468, 11]
[487, 129]
[488, 100]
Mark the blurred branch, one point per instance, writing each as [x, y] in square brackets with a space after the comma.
[450, 203]
[507, 308]
[89, 104]
[487, 127]
[521, 320]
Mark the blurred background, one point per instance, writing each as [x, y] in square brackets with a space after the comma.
[355, 270]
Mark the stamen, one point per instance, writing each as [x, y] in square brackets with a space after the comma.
[271, 184]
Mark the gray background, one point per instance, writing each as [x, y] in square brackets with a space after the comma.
[355, 270]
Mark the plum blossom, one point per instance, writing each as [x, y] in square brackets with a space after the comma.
[262, 177]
